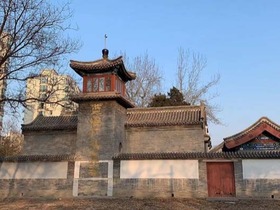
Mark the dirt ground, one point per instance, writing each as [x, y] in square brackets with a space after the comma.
[135, 204]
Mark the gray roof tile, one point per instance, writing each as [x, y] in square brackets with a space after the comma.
[200, 155]
[164, 116]
[51, 123]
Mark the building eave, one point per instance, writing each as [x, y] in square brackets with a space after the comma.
[263, 124]
[105, 96]
[164, 116]
[44, 123]
[33, 158]
[199, 155]
[102, 66]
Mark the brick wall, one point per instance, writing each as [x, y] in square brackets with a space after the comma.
[54, 188]
[255, 188]
[49, 142]
[260, 188]
[156, 188]
[100, 129]
[92, 188]
[93, 169]
[160, 187]
[145, 187]
[164, 139]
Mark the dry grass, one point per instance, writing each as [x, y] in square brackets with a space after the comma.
[135, 204]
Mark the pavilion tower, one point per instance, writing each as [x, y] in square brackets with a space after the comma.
[102, 107]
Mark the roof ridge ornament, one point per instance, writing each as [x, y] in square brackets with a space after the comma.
[105, 51]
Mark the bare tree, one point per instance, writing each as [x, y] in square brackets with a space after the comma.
[182, 68]
[189, 71]
[50, 93]
[33, 37]
[147, 82]
[11, 125]
[11, 143]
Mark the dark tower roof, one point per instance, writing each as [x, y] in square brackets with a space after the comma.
[103, 65]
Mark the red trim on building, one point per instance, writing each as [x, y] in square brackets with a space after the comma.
[262, 125]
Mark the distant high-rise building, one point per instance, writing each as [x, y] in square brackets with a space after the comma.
[4, 40]
[48, 94]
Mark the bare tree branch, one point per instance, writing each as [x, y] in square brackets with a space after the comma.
[147, 82]
[189, 72]
[12, 141]
[33, 37]
[182, 67]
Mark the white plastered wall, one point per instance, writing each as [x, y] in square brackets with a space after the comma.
[261, 169]
[170, 169]
[34, 170]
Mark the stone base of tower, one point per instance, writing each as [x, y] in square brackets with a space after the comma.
[100, 130]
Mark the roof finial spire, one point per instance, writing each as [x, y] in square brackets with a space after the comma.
[105, 39]
[105, 52]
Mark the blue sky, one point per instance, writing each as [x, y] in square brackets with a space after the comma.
[240, 39]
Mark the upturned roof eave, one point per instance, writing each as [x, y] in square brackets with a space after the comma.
[102, 66]
[262, 119]
[245, 135]
[94, 64]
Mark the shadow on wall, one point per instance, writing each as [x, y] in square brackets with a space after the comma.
[25, 178]
[11, 144]
[264, 188]
[167, 178]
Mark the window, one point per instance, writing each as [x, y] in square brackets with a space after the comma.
[101, 84]
[41, 106]
[44, 79]
[108, 84]
[89, 85]
[53, 80]
[119, 86]
[43, 88]
[95, 84]
[43, 96]
[98, 84]
[67, 89]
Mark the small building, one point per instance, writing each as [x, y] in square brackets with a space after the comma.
[111, 148]
[262, 135]
[252, 168]
[84, 152]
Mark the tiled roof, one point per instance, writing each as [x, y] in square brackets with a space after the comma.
[199, 155]
[164, 116]
[102, 66]
[104, 96]
[96, 65]
[261, 125]
[218, 148]
[29, 158]
[51, 123]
